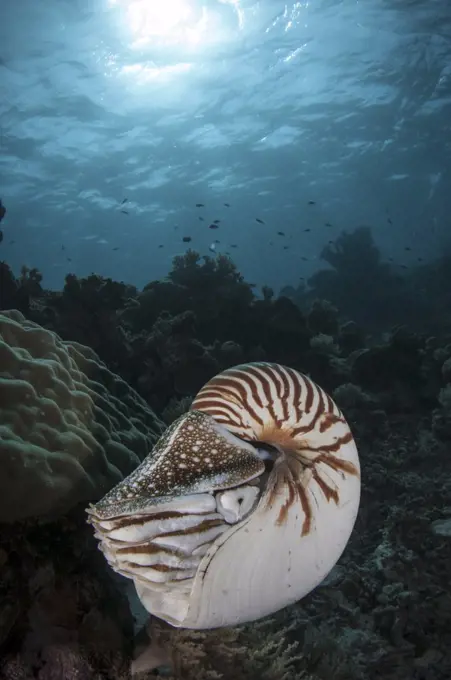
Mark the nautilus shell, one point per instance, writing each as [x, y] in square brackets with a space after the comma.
[243, 507]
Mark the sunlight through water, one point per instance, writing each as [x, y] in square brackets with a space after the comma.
[312, 116]
[164, 40]
[183, 24]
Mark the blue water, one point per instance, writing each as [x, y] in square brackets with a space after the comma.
[264, 105]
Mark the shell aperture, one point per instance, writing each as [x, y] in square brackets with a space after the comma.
[156, 525]
[211, 535]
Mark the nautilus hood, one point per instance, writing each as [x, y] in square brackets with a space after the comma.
[243, 507]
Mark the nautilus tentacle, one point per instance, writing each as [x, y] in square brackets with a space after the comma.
[243, 507]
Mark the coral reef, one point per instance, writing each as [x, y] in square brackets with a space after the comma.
[384, 611]
[371, 291]
[63, 615]
[376, 293]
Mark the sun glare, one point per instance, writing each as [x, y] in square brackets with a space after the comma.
[179, 23]
[166, 35]
[168, 22]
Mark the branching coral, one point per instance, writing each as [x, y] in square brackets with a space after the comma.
[212, 289]
[69, 428]
[175, 408]
[359, 283]
[94, 292]
[188, 271]
[216, 292]
[261, 651]
[17, 292]
[31, 279]
[323, 317]
[324, 344]
[341, 254]
[87, 311]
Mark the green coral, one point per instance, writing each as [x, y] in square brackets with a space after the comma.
[69, 428]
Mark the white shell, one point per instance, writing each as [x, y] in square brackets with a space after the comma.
[212, 536]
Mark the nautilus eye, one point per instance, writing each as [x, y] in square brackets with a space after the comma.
[243, 507]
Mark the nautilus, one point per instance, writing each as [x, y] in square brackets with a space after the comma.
[243, 507]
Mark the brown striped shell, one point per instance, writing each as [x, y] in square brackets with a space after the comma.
[243, 507]
[276, 405]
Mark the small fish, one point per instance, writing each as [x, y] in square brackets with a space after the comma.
[407, 248]
[124, 200]
[213, 226]
[233, 245]
[327, 224]
[419, 259]
[201, 219]
[307, 230]
[216, 221]
[403, 266]
[312, 202]
[389, 220]
[186, 239]
[227, 205]
[257, 219]
[124, 212]
[11, 243]
[286, 247]
[1, 236]
[2, 210]
[281, 233]
[216, 241]
[200, 205]
[305, 259]
[63, 248]
[161, 245]
[68, 259]
[212, 247]
[115, 248]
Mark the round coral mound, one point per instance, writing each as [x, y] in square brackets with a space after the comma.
[69, 428]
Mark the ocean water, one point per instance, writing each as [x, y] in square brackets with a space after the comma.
[266, 106]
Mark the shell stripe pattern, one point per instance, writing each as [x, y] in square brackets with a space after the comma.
[274, 404]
